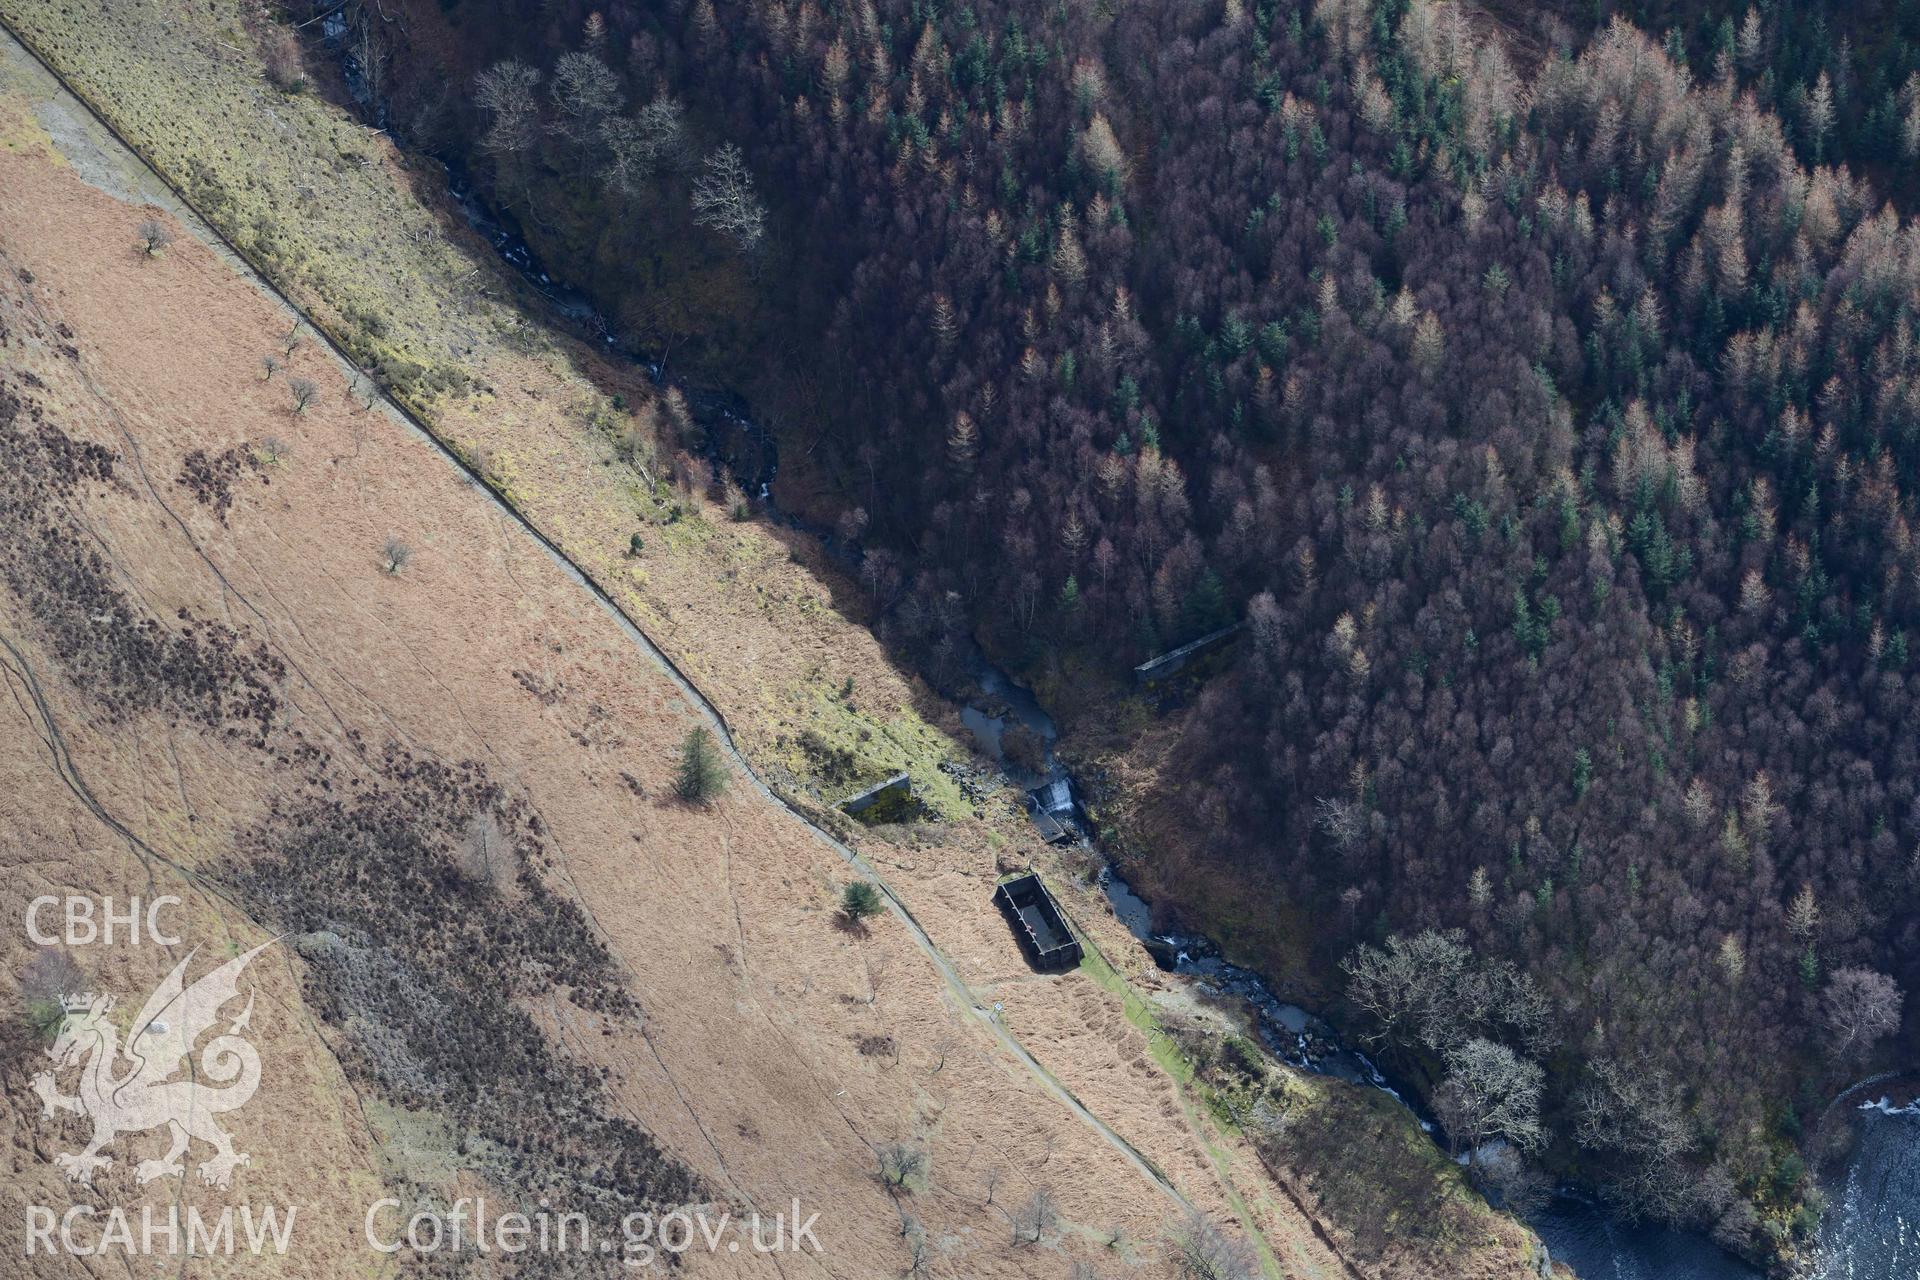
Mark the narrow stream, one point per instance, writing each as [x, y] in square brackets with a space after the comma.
[1873, 1231]
[1578, 1231]
[734, 440]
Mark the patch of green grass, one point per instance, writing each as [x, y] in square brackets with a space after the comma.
[1141, 1014]
[1167, 1053]
[844, 747]
[1367, 1131]
[21, 133]
[422, 1145]
[295, 183]
[44, 1018]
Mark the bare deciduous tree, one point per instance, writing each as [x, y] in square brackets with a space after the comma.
[902, 1164]
[370, 48]
[505, 92]
[724, 199]
[942, 1047]
[1489, 1092]
[638, 146]
[1202, 1251]
[397, 554]
[270, 364]
[282, 56]
[1634, 1111]
[919, 1252]
[303, 390]
[1860, 1007]
[51, 974]
[153, 237]
[1432, 990]
[1406, 986]
[586, 93]
[1341, 819]
[1039, 1215]
[876, 965]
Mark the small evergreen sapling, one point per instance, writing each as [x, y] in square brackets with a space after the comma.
[860, 901]
[701, 775]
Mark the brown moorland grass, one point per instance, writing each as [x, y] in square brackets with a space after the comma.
[725, 1015]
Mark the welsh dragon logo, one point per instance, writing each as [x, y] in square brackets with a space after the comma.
[145, 1093]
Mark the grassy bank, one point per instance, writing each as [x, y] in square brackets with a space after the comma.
[1349, 1158]
[356, 234]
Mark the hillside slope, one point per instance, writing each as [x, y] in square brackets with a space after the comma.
[483, 715]
[446, 774]
[1549, 415]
